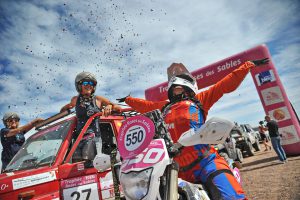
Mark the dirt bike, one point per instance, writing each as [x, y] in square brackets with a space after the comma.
[148, 170]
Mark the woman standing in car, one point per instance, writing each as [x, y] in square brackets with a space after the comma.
[87, 104]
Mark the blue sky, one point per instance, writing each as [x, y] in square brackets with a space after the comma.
[128, 45]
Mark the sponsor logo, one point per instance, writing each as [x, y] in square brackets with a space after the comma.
[3, 187]
[80, 166]
[265, 77]
[170, 126]
[33, 180]
[90, 112]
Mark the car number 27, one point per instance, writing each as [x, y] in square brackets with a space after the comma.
[83, 192]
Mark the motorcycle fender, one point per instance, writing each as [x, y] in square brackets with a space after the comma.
[155, 155]
[214, 131]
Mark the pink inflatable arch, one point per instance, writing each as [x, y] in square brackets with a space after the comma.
[269, 87]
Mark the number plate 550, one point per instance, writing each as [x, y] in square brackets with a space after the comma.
[135, 135]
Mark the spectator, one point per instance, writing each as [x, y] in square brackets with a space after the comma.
[263, 135]
[12, 136]
[272, 127]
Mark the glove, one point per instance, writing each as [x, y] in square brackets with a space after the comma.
[120, 100]
[260, 62]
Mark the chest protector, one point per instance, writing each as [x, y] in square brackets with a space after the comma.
[85, 108]
[181, 116]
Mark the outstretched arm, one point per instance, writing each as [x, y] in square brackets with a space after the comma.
[142, 105]
[228, 84]
[23, 129]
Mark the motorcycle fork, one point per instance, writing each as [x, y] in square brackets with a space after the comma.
[171, 192]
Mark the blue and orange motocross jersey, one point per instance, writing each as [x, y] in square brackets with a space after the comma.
[184, 115]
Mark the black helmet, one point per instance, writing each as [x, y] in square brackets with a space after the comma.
[187, 81]
[84, 76]
[261, 122]
[10, 115]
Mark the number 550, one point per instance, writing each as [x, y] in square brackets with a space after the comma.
[134, 137]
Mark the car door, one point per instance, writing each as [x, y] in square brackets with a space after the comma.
[108, 137]
[82, 182]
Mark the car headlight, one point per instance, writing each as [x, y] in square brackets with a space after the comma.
[136, 184]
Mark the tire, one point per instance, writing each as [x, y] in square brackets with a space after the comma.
[249, 149]
[258, 137]
[239, 155]
[256, 145]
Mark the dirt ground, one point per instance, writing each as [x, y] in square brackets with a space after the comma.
[265, 178]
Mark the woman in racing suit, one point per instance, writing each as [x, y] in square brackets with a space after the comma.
[186, 110]
[87, 104]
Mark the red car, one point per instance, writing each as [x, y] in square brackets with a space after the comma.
[43, 168]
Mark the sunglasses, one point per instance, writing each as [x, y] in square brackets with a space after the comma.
[12, 120]
[87, 83]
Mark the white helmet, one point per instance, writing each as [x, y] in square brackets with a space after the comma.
[84, 76]
[186, 80]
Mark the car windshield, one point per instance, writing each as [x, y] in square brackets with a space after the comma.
[244, 128]
[235, 134]
[41, 148]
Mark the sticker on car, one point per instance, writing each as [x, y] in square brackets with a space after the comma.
[85, 187]
[33, 180]
[82, 192]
